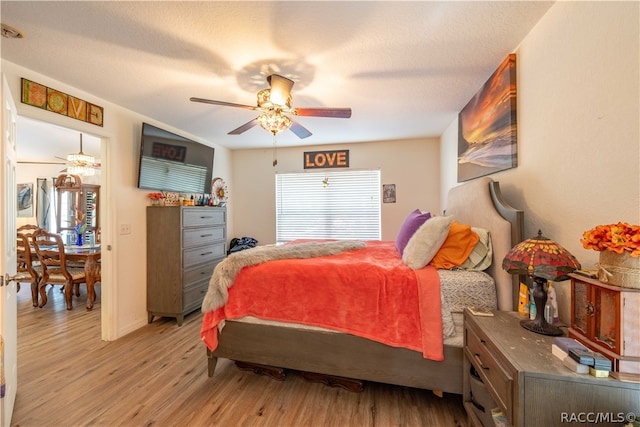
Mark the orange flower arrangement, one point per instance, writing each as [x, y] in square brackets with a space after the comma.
[155, 196]
[617, 238]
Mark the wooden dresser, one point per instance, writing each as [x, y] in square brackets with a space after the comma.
[530, 385]
[184, 244]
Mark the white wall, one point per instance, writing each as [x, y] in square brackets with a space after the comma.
[578, 125]
[412, 165]
[124, 266]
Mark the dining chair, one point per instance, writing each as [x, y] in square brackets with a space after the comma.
[28, 267]
[28, 229]
[50, 251]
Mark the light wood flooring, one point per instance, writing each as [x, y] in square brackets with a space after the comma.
[157, 376]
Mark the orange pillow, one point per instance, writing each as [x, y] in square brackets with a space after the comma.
[456, 248]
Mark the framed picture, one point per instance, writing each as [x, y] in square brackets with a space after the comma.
[388, 193]
[25, 200]
[487, 140]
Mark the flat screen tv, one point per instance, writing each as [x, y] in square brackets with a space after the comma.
[169, 162]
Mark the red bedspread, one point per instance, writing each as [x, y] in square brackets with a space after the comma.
[368, 292]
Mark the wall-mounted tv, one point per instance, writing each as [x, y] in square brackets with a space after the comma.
[169, 162]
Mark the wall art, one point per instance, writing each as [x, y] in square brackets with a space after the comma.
[41, 96]
[487, 137]
[25, 200]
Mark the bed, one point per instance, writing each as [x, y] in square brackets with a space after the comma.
[312, 349]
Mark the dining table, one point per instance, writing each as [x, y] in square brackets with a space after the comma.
[89, 257]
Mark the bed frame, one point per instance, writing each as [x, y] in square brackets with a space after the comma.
[478, 203]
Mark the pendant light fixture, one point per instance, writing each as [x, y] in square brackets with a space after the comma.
[80, 163]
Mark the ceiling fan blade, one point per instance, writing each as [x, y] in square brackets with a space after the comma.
[280, 89]
[40, 163]
[223, 103]
[299, 130]
[245, 127]
[340, 113]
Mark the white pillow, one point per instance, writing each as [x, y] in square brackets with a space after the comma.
[426, 241]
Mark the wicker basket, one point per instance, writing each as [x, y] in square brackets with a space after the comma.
[619, 269]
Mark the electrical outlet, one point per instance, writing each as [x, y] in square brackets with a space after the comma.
[125, 228]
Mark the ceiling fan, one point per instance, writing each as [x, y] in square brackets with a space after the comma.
[274, 105]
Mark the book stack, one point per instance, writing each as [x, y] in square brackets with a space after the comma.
[561, 345]
[579, 358]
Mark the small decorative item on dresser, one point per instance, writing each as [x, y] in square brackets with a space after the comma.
[156, 199]
[619, 269]
[171, 199]
[219, 192]
[619, 247]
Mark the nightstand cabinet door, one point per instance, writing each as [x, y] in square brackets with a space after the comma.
[581, 307]
[184, 244]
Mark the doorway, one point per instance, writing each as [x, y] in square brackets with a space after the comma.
[42, 149]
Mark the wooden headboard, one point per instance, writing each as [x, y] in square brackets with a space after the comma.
[479, 203]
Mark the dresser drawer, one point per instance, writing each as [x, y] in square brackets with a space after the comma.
[197, 274]
[202, 254]
[493, 375]
[193, 295]
[198, 217]
[202, 236]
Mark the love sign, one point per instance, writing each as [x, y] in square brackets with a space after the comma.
[326, 159]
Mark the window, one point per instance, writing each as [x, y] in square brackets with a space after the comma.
[328, 205]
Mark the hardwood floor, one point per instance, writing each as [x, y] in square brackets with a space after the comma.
[157, 376]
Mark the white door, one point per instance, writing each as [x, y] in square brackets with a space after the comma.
[8, 304]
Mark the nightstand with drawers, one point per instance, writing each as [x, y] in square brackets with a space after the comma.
[529, 384]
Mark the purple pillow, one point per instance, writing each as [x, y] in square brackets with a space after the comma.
[409, 226]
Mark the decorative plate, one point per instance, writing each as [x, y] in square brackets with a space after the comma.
[219, 191]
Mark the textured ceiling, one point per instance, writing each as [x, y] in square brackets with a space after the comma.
[405, 68]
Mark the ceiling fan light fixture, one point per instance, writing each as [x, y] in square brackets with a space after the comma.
[80, 163]
[269, 99]
[81, 170]
[80, 158]
[275, 103]
[280, 99]
[274, 121]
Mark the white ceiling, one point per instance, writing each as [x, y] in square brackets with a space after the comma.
[405, 68]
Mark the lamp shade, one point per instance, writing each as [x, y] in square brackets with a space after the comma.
[540, 257]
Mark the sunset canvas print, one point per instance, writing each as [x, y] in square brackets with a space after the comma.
[487, 126]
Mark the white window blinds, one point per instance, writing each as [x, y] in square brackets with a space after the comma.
[328, 205]
[171, 176]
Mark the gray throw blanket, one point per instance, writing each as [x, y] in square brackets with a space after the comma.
[226, 271]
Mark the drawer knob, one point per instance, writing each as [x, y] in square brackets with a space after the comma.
[206, 253]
